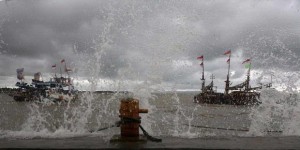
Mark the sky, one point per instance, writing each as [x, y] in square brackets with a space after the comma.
[119, 45]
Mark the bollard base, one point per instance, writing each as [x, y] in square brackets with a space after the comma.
[119, 138]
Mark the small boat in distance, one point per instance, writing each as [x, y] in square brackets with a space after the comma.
[241, 94]
[56, 89]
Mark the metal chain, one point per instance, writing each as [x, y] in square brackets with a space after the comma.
[125, 120]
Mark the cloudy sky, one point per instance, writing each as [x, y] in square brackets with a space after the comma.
[129, 44]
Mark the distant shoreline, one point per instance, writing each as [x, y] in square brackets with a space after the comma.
[104, 91]
[13, 89]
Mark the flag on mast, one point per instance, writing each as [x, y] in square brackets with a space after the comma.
[200, 57]
[201, 64]
[54, 66]
[246, 61]
[228, 52]
[68, 69]
[20, 73]
[228, 60]
[37, 76]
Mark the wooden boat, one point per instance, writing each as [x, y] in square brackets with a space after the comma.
[241, 94]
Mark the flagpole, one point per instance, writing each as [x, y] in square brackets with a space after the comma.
[55, 72]
[248, 77]
[227, 81]
[203, 80]
[202, 65]
[42, 77]
[66, 70]
[60, 71]
[271, 79]
[62, 61]
[54, 69]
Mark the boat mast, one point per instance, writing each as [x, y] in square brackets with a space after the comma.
[62, 61]
[202, 65]
[227, 82]
[247, 87]
[212, 77]
[54, 68]
[66, 70]
[248, 78]
[270, 85]
[60, 72]
[203, 79]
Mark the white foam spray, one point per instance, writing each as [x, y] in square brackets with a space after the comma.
[278, 113]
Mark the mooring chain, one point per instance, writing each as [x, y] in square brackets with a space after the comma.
[125, 120]
[149, 137]
[220, 128]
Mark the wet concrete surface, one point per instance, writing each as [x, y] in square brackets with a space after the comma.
[290, 142]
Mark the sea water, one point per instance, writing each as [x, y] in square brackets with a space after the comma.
[171, 114]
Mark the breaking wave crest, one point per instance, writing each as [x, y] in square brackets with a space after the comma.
[279, 112]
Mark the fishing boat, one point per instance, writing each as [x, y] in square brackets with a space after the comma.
[56, 89]
[240, 94]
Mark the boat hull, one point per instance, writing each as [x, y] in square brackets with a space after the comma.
[39, 95]
[234, 98]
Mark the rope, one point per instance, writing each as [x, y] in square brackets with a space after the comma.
[246, 130]
[125, 120]
[104, 128]
[206, 127]
[149, 137]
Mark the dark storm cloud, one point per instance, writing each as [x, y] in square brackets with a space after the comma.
[46, 30]
[150, 39]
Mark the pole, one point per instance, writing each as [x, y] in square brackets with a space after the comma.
[212, 77]
[66, 69]
[60, 72]
[272, 74]
[55, 71]
[203, 79]
[248, 78]
[227, 81]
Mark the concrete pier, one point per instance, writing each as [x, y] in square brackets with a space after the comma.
[289, 142]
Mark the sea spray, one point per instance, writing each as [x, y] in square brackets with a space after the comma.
[182, 120]
[278, 113]
[144, 93]
[3, 17]
[76, 118]
[37, 120]
[176, 117]
[107, 114]
[188, 133]
[292, 113]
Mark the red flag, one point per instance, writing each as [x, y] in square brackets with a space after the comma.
[62, 61]
[37, 76]
[201, 64]
[68, 69]
[20, 73]
[247, 60]
[200, 57]
[228, 61]
[227, 52]
[54, 66]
